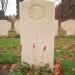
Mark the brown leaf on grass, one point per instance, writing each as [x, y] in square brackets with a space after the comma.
[6, 66]
[1, 48]
[74, 49]
[70, 51]
[65, 56]
[13, 66]
[70, 59]
[65, 47]
[73, 42]
[55, 49]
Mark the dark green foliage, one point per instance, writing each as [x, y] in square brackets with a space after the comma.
[46, 70]
[26, 69]
[21, 69]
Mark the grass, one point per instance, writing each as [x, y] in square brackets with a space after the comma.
[9, 50]
[65, 51]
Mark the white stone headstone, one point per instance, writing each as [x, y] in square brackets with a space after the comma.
[38, 27]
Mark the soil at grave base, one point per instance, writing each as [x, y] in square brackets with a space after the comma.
[6, 67]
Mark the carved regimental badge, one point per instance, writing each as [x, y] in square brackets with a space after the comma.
[36, 12]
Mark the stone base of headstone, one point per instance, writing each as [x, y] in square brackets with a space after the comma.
[12, 33]
[61, 32]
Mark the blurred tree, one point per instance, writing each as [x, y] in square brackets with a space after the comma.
[65, 11]
[2, 16]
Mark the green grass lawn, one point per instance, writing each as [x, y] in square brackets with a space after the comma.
[9, 50]
[65, 51]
